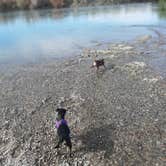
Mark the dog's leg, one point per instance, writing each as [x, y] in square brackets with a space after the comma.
[59, 143]
[70, 151]
[97, 69]
[69, 145]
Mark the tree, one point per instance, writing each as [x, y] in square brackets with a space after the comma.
[57, 3]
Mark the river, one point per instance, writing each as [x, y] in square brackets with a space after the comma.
[39, 35]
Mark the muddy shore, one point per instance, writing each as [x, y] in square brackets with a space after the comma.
[116, 116]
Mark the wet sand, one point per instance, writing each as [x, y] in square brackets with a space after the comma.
[116, 116]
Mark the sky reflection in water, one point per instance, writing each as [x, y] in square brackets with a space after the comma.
[38, 35]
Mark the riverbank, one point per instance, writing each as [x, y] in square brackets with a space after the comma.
[116, 116]
[9, 5]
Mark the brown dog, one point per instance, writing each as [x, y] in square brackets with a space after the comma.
[98, 63]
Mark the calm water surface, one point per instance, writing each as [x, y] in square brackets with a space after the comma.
[33, 36]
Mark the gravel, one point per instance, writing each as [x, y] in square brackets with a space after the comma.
[116, 116]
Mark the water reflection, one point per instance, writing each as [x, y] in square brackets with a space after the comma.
[34, 35]
[31, 16]
[93, 12]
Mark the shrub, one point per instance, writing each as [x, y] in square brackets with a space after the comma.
[162, 4]
[22, 4]
[7, 5]
[57, 3]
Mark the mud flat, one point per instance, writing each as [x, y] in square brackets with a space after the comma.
[117, 116]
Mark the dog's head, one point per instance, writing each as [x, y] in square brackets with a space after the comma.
[61, 113]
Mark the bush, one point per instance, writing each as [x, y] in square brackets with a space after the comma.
[5, 5]
[162, 4]
[162, 8]
[57, 3]
[22, 4]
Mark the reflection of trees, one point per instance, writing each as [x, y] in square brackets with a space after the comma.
[35, 15]
[115, 9]
[162, 8]
[32, 15]
[162, 13]
[8, 17]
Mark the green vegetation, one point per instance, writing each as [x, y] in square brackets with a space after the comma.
[5, 5]
[162, 8]
[162, 4]
[26, 4]
[22, 4]
[31, 4]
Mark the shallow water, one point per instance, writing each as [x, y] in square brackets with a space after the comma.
[33, 36]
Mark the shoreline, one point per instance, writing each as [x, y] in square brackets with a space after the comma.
[144, 45]
[116, 115]
[8, 6]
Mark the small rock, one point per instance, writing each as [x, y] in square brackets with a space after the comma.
[144, 38]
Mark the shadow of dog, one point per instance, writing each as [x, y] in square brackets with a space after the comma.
[98, 139]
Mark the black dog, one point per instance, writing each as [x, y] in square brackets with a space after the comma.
[63, 130]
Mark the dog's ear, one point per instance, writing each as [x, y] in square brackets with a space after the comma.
[58, 109]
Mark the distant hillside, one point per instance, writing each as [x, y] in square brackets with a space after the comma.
[34, 4]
